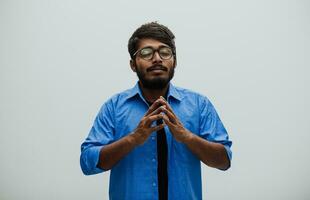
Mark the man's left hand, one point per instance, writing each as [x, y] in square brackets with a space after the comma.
[176, 127]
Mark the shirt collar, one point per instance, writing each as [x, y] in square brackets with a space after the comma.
[172, 92]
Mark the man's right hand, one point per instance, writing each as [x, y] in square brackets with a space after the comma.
[110, 154]
[145, 128]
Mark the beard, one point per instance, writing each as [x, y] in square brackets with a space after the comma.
[156, 83]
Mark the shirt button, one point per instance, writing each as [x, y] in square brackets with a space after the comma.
[153, 138]
[153, 159]
[154, 184]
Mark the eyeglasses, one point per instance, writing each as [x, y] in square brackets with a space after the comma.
[147, 53]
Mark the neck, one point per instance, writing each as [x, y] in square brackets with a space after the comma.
[152, 95]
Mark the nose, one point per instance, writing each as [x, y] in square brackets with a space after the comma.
[156, 57]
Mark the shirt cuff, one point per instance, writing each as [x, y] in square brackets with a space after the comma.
[89, 160]
[228, 151]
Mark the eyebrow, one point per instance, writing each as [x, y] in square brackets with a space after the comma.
[155, 48]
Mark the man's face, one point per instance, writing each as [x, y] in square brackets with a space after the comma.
[156, 72]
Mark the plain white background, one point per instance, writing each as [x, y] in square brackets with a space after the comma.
[60, 60]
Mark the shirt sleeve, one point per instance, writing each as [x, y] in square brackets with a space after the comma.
[101, 134]
[211, 126]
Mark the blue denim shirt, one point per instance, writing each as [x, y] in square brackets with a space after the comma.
[134, 177]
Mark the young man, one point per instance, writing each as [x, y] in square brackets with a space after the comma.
[154, 135]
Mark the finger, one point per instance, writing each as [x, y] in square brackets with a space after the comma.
[157, 111]
[171, 116]
[167, 121]
[166, 104]
[152, 118]
[153, 107]
[161, 97]
[158, 127]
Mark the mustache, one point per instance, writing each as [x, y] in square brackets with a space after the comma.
[154, 67]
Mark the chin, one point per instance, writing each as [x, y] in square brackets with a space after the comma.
[155, 83]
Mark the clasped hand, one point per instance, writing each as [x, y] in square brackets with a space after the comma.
[160, 109]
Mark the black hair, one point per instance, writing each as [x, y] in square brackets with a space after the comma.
[151, 30]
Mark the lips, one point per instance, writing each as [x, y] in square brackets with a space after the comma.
[157, 67]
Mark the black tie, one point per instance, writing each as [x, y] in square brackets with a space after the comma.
[162, 153]
[162, 156]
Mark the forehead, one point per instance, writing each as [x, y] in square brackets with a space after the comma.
[148, 42]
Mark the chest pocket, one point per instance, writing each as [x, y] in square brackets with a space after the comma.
[127, 121]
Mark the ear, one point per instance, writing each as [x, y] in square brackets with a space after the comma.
[133, 65]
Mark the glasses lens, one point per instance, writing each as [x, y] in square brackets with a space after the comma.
[165, 53]
[146, 53]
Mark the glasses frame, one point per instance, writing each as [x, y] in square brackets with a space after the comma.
[154, 51]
